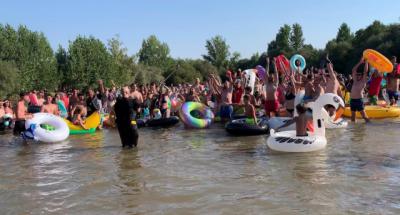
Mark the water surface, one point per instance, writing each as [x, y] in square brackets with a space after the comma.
[178, 171]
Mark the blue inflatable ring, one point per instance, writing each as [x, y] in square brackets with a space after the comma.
[293, 62]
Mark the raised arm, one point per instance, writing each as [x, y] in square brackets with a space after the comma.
[266, 71]
[323, 78]
[331, 73]
[355, 68]
[101, 87]
[366, 70]
[276, 76]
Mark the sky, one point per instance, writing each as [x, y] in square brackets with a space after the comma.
[185, 25]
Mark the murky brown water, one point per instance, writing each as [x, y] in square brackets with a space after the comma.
[178, 171]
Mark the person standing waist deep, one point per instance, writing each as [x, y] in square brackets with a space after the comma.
[125, 109]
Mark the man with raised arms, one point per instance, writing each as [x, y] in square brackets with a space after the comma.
[360, 80]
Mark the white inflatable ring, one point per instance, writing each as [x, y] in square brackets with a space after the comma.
[60, 132]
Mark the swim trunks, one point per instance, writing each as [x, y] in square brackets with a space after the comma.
[271, 106]
[226, 111]
[356, 105]
[393, 95]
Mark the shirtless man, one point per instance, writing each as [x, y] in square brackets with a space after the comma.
[226, 90]
[73, 100]
[197, 86]
[357, 91]
[393, 83]
[332, 84]
[41, 98]
[49, 106]
[252, 98]
[135, 94]
[21, 114]
[307, 82]
[250, 110]
[318, 86]
[271, 105]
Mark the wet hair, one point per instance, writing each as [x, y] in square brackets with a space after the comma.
[300, 109]
[329, 106]
[78, 110]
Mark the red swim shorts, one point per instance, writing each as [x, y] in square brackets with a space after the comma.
[271, 106]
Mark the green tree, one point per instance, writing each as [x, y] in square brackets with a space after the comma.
[147, 74]
[183, 72]
[233, 60]
[281, 44]
[204, 68]
[88, 62]
[217, 53]
[296, 37]
[32, 55]
[9, 76]
[344, 34]
[154, 53]
[123, 66]
[62, 65]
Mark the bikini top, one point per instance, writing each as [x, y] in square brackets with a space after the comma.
[290, 96]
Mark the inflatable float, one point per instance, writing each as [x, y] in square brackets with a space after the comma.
[332, 122]
[375, 112]
[186, 114]
[63, 110]
[35, 130]
[295, 58]
[280, 62]
[250, 76]
[162, 122]
[378, 61]
[91, 123]
[242, 127]
[288, 141]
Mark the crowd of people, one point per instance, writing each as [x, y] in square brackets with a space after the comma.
[273, 94]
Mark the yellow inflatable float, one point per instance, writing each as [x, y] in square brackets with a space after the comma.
[376, 112]
[378, 61]
[91, 124]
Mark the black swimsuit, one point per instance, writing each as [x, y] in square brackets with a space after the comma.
[290, 96]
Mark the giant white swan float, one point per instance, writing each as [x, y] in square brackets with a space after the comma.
[331, 122]
[287, 141]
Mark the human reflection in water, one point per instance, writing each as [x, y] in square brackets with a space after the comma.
[125, 113]
[128, 168]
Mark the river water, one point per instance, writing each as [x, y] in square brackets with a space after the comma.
[178, 171]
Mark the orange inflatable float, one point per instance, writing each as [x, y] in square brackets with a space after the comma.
[378, 61]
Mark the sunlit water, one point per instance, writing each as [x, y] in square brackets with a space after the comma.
[178, 171]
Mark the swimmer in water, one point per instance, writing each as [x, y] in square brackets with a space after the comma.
[301, 121]
[250, 110]
[360, 80]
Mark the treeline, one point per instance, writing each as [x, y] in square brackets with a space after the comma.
[28, 62]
